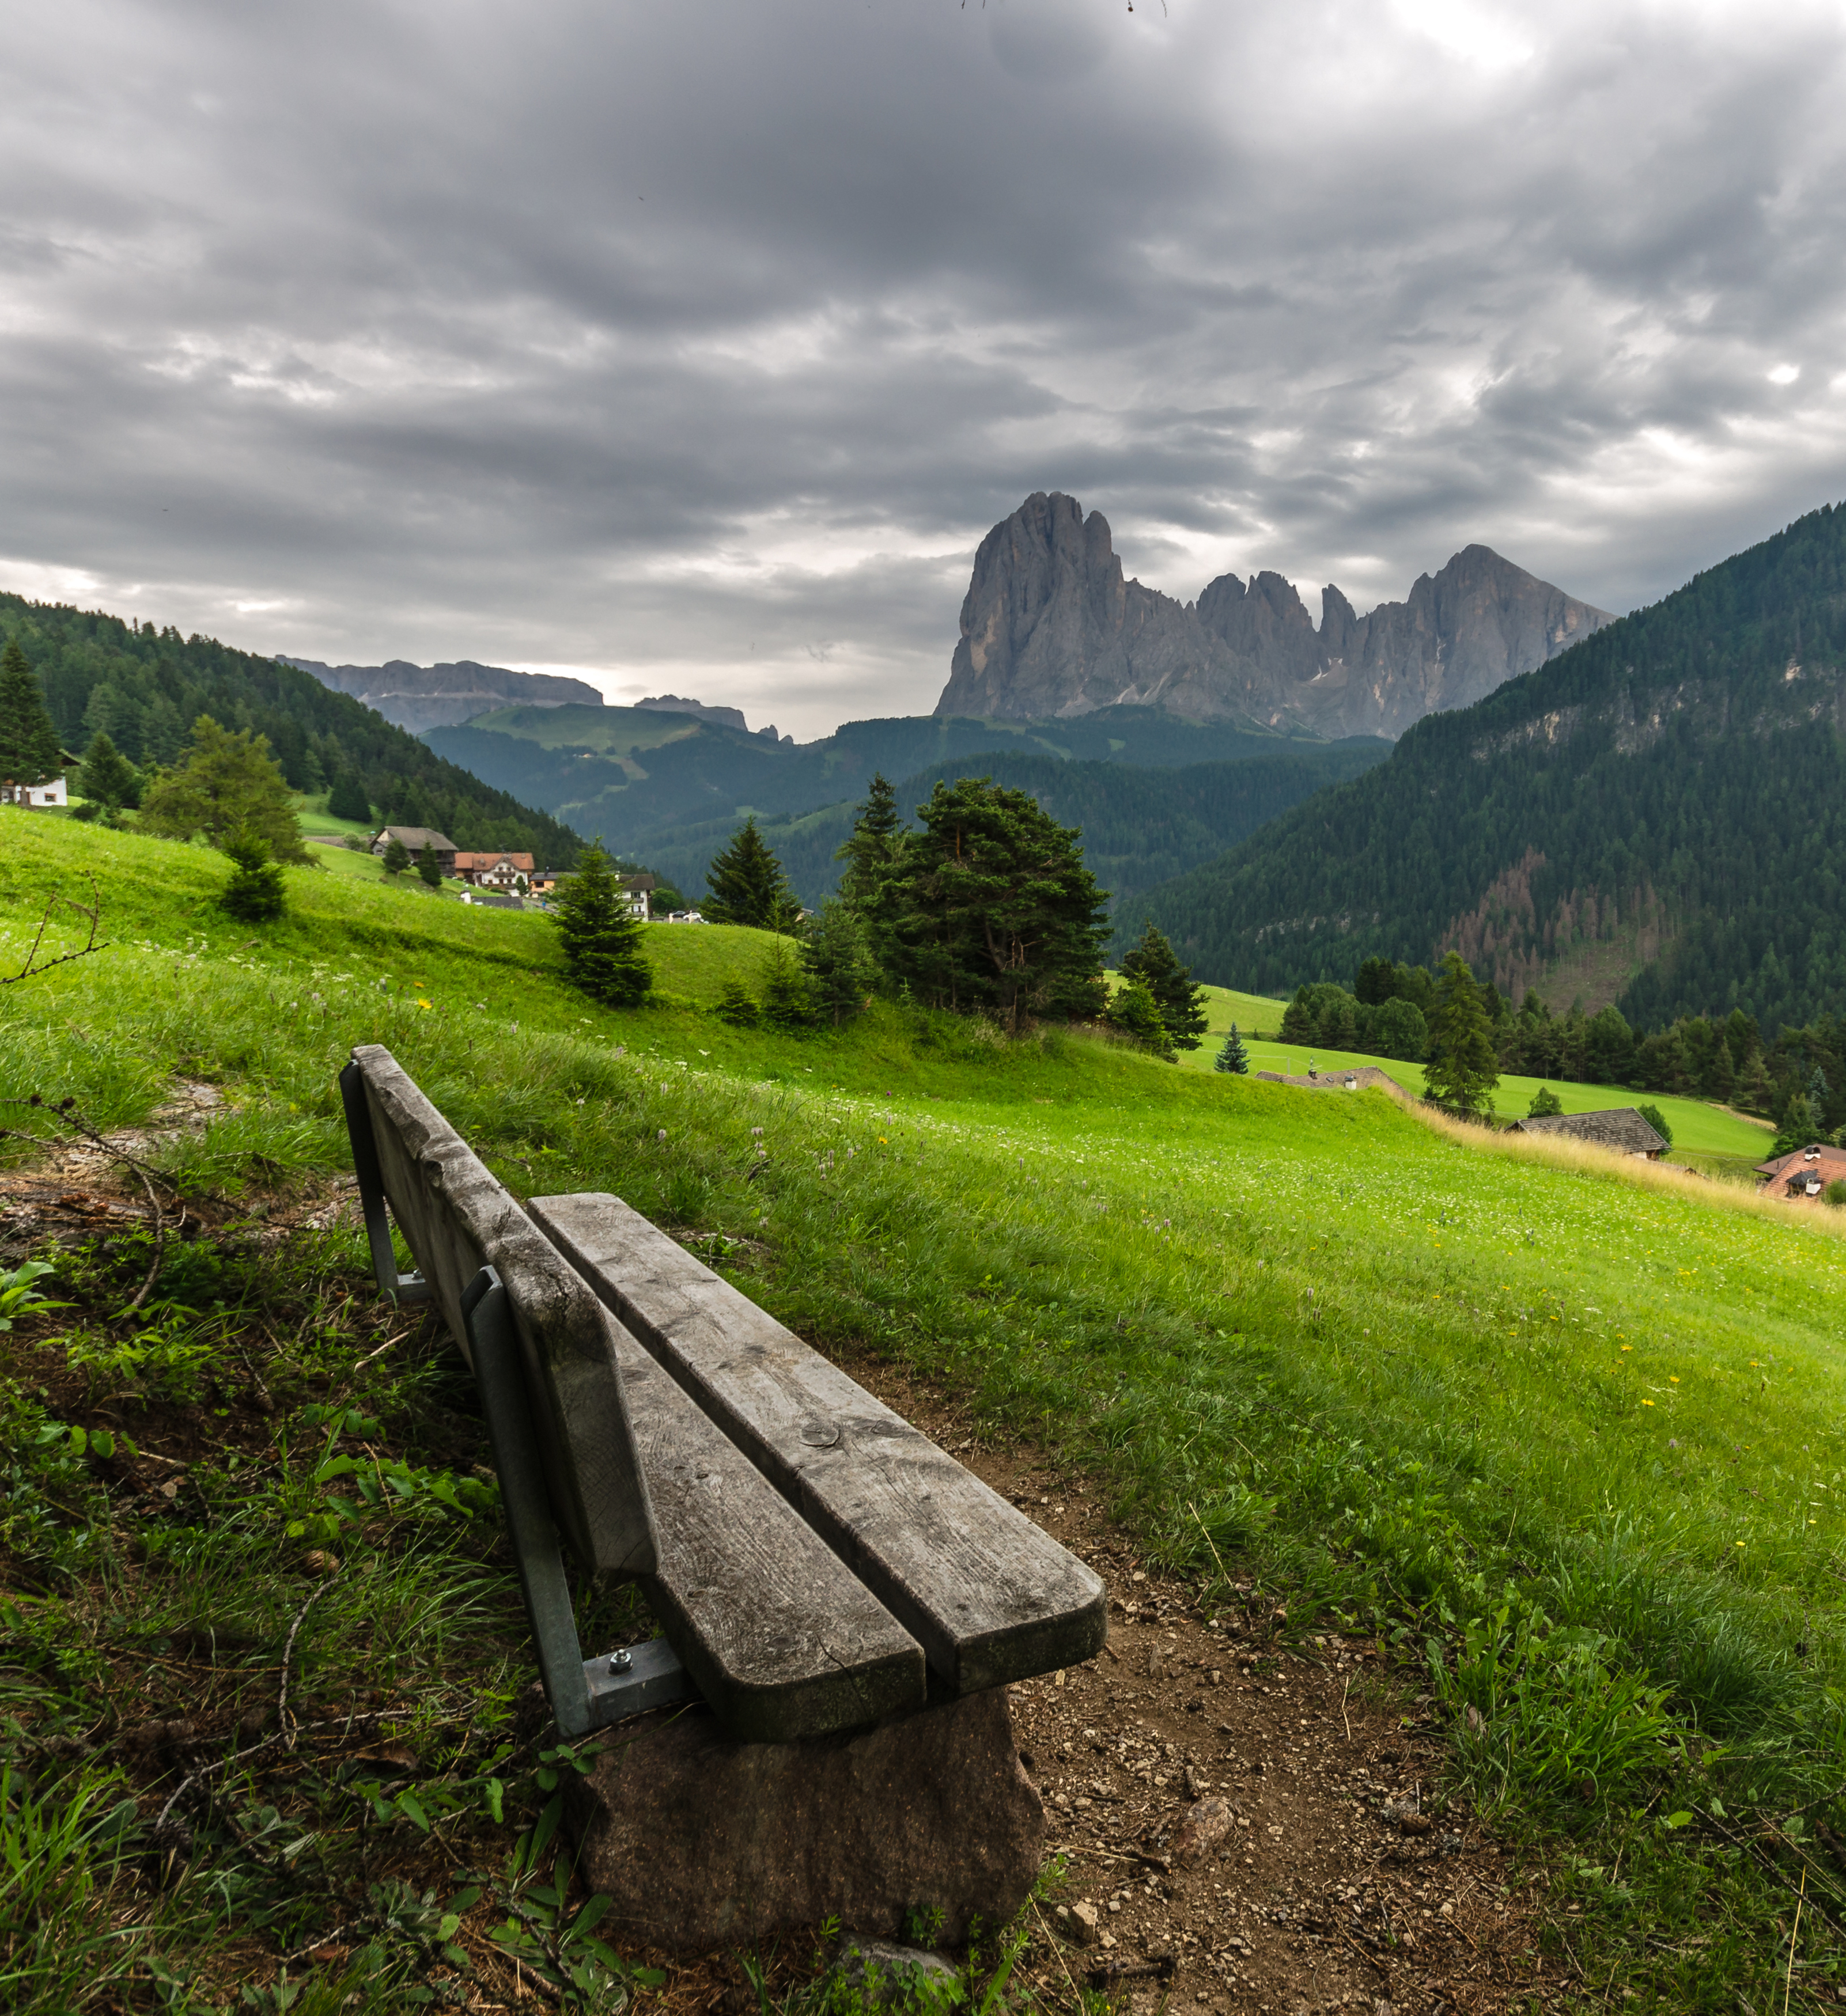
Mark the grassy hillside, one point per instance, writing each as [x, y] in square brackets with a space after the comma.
[1619, 820]
[1572, 1425]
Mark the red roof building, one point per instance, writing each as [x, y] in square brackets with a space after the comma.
[1803, 1176]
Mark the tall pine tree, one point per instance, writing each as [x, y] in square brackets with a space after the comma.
[600, 936]
[1463, 1071]
[747, 886]
[1180, 1002]
[29, 751]
[870, 851]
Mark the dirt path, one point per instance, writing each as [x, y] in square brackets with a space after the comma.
[1341, 1880]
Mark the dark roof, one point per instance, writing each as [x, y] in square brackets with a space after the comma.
[417, 837]
[1618, 1127]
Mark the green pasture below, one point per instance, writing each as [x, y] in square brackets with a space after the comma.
[1402, 1369]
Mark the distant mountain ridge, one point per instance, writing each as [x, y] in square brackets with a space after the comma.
[420, 696]
[1049, 629]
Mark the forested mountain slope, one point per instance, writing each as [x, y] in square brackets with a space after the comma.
[1139, 826]
[144, 687]
[641, 780]
[1657, 816]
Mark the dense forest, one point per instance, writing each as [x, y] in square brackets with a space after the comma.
[1140, 826]
[144, 687]
[1671, 792]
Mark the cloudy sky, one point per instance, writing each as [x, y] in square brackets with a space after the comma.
[697, 342]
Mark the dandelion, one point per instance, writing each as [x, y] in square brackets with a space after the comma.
[421, 1002]
[1647, 1403]
[1674, 1376]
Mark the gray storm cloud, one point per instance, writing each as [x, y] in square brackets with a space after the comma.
[698, 347]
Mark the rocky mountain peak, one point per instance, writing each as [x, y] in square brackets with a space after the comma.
[1049, 627]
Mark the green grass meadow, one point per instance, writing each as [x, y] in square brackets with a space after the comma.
[1570, 1431]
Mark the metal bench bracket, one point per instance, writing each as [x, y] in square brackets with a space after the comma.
[584, 1694]
[405, 1287]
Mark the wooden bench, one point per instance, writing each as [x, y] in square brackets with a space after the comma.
[814, 1562]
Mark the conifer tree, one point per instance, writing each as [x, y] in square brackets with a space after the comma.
[1462, 1071]
[1545, 1104]
[429, 867]
[397, 857]
[254, 895]
[1798, 1129]
[789, 1001]
[747, 886]
[838, 961]
[347, 800]
[1233, 1056]
[108, 778]
[1657, 1121]
[600, 938]
[29, 749]
[990, 908]
[870, 851]
[1180, 1002]
[1136, 1013]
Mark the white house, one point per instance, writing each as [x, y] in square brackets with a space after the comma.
[47, 791]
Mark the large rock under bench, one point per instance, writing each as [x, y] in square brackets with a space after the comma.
[703, 1842]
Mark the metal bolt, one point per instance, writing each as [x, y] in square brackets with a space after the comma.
[619, 1662]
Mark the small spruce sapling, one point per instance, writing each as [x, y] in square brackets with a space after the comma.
[737, 1005]
[1233, 1056]
[397, 857]
[600, 936]
[838, 959]
[429, 868]
[254, 895]
[789, 1001]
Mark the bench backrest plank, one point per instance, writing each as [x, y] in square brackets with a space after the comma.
[991, 1597]
[457, 1218]
[783, 1640]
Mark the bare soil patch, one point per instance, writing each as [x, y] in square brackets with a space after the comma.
[1343, 1879]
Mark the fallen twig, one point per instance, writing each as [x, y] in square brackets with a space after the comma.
[29, 970]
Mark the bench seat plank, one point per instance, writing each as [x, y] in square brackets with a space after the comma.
[991, 1597]
[783, 1639]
